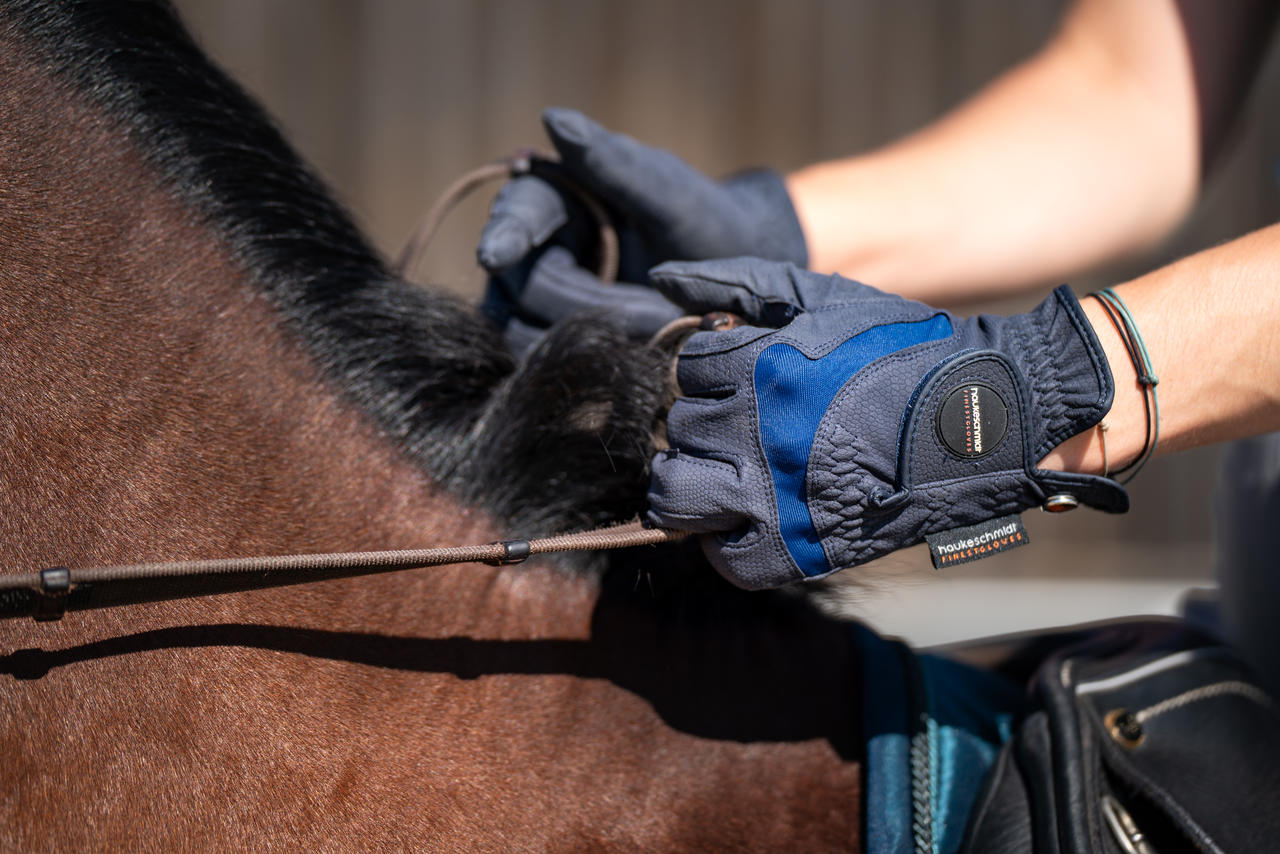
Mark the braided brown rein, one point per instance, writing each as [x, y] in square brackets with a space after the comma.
[525, 162]
[57, 582]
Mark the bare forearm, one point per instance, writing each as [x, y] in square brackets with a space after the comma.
[1210, 322]
[1087, 151]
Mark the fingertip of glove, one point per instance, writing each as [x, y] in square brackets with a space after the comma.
[566, 125]
[502, 243]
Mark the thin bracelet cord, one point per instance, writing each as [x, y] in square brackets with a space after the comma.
[1102, 441]
[1148, 376]
[1127, 335]
[1146, 373]
[1146, 407]
[1122, 319]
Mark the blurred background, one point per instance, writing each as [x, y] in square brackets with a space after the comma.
[392, 99]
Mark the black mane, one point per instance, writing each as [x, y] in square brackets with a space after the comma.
[562, 441]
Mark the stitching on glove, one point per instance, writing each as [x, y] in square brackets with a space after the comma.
[1011, 493]
[1057, 410]
[838, 522]
[1097, 359]
[762, 535]
[826, 427]
[841, 526]
[838, 338]
[710, 460]
[702, 278]
[711, 397]
[704, 344]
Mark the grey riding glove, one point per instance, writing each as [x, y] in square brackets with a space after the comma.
[847, 423]
[664, 210]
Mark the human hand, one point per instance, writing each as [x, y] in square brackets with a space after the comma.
[537, 238]
[847, 423]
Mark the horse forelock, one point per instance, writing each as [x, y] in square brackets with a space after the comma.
[560, 441]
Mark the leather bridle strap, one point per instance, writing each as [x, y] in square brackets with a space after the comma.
[46, 595]
[523, 162]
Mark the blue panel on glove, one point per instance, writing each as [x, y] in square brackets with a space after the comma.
[792, 394]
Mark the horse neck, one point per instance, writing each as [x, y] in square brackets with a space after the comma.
[156, 405]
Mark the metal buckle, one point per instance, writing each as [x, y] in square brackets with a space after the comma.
[1060, 503]
[1130, 838]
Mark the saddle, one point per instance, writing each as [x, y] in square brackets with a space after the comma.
[1144, 737]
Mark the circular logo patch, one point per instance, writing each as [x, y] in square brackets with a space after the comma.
[972, 420]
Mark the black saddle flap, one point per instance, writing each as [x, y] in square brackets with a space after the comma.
[1150, 739]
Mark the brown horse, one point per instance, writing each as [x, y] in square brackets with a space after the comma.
[200, 357]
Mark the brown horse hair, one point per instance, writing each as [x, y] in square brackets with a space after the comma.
[561, 441]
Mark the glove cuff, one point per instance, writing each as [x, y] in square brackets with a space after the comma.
[765, 191]
[1071, 385]
[1071, 391]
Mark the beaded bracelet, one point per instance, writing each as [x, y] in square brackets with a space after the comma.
[1122, 320]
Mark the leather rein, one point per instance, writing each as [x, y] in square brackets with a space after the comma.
[46, 595]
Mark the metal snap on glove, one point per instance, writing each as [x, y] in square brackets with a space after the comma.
[664, 209]
[847, 423]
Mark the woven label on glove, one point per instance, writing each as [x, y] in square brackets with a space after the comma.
[961, 545]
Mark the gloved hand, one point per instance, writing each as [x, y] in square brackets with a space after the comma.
[663, 208]
[848, 423]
